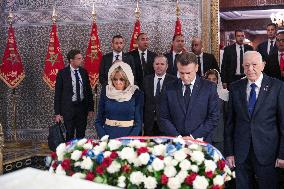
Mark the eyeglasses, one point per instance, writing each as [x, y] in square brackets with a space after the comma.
[280, 40]
[118, 79]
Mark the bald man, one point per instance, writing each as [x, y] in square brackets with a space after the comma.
[206, 61]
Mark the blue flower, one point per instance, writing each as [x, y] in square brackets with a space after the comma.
[210, 150]
[100, 158]
[125, 141]
[178, 145]
[152, 157]
[91, 154]
[170, 149]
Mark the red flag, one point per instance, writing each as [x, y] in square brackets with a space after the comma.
[93, 56]
[54, 59]
[178, 27]
[136, 32]
[11, 69]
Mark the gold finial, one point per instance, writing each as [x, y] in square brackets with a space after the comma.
[10, 17]
[137, 11]
[177, 9]
[94, 13]
[54, 15]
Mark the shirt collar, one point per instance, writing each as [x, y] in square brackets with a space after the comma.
[200, 55]
[174, 53]
[115, 53]
[192, 82]
[142, 51]
[257, 82]
[274, 39]
[163, 76]
[73, 69]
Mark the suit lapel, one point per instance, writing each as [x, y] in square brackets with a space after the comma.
[180, 95]
[68, 77]
[151, 85]
[194, 94]
[234, 56]
[243, 96]
[205, 60]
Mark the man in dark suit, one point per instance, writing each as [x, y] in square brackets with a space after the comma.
[205, 61]
[231, 69]
[153, 85]
[143, 58]
[254, 142]
[268, 47]
[189, 106]
[117, 54]
[178, 47]
[274, 66]
[73, 100]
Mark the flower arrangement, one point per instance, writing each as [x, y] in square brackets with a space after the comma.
[167, 163]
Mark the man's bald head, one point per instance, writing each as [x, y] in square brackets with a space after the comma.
[196, 46]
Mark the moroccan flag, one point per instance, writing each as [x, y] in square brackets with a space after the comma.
[11, 69]
[93, 56]
[178, 27]
[54, 59]
[137, 28]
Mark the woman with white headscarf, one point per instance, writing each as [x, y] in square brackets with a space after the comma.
[120, 109]
[218, 133]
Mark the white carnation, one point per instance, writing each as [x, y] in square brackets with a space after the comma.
[114, 144]
[168, 160]
[174, 183]
[200, 182]
[159, 150]
[174, 162]
[104, 138]
[114, 167]
[150, 168]
[127, 153]
[59, 170]
[87, 163]
[197, 156]
[107, 154]
[180, 155]
[77, 164]
[170, 171]
[218, 180]
[182, 175]
[79, 175]
[210, 166]
[76, 155]
[81, 142]
[185, 165]
[88, 146]
[136, 162]
[158, 164]
[60, 150]
[194, 146]
[137, 144]
[144, 158]
[194, 168]
[103, 145]
[136, 178]
[150, 182]
[121, 182]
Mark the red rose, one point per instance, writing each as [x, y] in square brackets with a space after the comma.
[113, 155]
[221, 164]
[90, 176]
[53, 155]
[70, 173]
[100, 170]
[190, 178]
[84, 153]
[54, 165]
[125, 168]
[164, 179]
[161, 157]
[142, 150]
[215, 187]
[106, 162]
[66, 164]
[209, 174]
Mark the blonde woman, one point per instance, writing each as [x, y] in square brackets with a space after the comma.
[120, 110]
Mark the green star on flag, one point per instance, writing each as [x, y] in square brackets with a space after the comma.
[13, 59]
[53, 58]
[93, 56]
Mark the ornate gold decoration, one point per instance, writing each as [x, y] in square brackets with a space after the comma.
[177, 9]
[54, 15]
[94, 14]
[137, 11]
[215, 29]
[10, 17]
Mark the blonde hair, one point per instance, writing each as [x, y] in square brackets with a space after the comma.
[123, 75]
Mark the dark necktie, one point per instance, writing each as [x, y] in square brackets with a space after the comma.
[187, 94]
[200, 70]
[271, 47]
[116, 57]
[158, 87]
[77, 86]
[143, 62]
[252, 98]
[241, 60]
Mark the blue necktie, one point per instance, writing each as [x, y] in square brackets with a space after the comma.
[252, 98]
[77, 86]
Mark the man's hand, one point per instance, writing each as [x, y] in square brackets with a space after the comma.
[225, 85]
[279, 163]
[231, 161]
[91, 114]
[58, 118]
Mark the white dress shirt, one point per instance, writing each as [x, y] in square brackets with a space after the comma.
[74, 97]
[140, 55]
[119, 57]
[156, 79]
[238, 70]
[191, 86]
[258, 85]
[269, 43]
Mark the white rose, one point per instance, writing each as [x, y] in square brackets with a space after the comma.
[88, 146]
[194, 146]
[158, 164]
[170, 171]
[121, 182]
[159, 150]
[168, 160]
[144, 158]
[114, 167]
[180, 155]
[185, 165]
[103, 145]
[216, 156]
[59, 170]
[60, 150]
[136, 162]
[218, 180]
[81, 142]
[104, 138]
[174, 183]
[136, 178]
[107, 154]
[150, 182]
[87, 163]
[210, 166]
[197, 156]
[77, 164]
[150, 168]
[79, 175]
[174, 162]
[182, 175]
[114, 144]
[194, 168]
[76, 155]
[127, 153]
[200, 182]
[137, 144]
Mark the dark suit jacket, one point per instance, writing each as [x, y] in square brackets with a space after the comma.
[209, 62]
[201, 116]
[262, 49]
[64, 92]
[172, 69]
[151, 101]
[138, 65]
[229, 63]
[265, 128]
[272, 67]
[106, 63]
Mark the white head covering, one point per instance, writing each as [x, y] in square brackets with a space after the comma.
[121, 95]
[222, 93]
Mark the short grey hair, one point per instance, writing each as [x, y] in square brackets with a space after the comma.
[254, 53]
